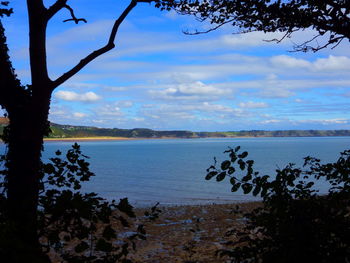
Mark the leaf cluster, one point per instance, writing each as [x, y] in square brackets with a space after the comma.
[76, 226]
[295, 223]
[4, 9]
[331, 16]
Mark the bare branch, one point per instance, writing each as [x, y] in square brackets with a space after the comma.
[74, 18]
[109, 46]
[279, 40]
[209, 30]
[304, 47]
[57, 6]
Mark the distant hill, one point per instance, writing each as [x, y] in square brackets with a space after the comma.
[4, 121]
[66, 131]
[71, 131]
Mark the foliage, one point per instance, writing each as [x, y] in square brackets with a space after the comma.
[4, 9]
[329, 17]
[295, 223]
[75, 226]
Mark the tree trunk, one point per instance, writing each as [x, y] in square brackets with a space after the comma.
[28, 125]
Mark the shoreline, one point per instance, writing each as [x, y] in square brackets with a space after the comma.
[97, 138]
[110, 138]
[190, 233]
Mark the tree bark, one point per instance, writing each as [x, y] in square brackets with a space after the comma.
[28, 126]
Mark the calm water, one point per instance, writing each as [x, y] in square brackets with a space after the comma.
[173, 171]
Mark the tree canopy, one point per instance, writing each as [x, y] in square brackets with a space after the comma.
[329, 18]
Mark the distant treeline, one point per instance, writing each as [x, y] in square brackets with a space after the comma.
[66, 131]
[70, 131]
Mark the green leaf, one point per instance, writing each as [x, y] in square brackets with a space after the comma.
[235, 187]
[241, 164]
[243, 155]
[211, 175]
[237, 148]
[256, 190]
[231, 170]
[225, 165]
[247, 178]
[49, 168]
[247, 188]
[221, 176]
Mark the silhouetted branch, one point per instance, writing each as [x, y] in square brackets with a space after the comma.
[304, 47]
[57, 6]
[279, 40]
[74, 18]
[209, 30]
[109, 46]
[328, 16]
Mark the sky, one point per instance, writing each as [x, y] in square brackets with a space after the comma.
[160, 78]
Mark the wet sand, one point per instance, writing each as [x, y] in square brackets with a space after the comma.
[182, 234]
[189, 233]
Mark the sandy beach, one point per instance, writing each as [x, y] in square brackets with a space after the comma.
[107, 138]
[97, 138]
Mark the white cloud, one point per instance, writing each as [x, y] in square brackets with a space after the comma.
[124, 104]
[193, 111]
[275, 93]
[289, 62]
[270, 121]
[332, 63]
[57, 113]
[326, 121]
[328, 65]
[193, 90]
[79, 115]
[109, 110]
[251, 39]
[335, 121]
[73, 96]
[171, 15]
[253, 105]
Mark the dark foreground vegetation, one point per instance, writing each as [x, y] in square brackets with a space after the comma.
[72, 226]
[295, 223]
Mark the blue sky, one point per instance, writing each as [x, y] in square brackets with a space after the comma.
[159, 78]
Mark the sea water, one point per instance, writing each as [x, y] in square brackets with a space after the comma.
[172, 171]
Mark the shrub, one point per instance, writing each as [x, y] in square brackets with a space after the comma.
[295, 223]
[74, 226]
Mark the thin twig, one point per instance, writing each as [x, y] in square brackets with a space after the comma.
[74, 18]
